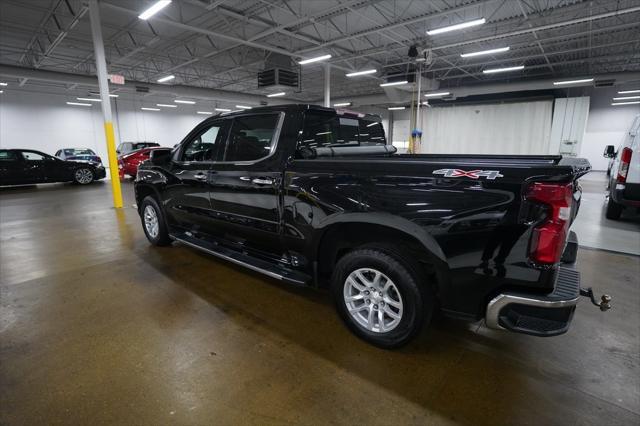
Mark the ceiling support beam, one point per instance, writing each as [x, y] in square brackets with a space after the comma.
[61, 36]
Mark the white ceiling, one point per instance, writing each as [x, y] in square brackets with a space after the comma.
[224, 43]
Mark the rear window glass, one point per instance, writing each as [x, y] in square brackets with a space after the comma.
[8, 156]
[331, 130]
[78, 152]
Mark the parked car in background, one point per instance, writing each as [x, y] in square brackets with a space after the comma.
[127, 147]
[314, 196]
[79, 154]
[624, 179]
[27, 166]
[610, 153]
[128, 163]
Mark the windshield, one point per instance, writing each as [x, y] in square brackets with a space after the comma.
[332, 130]
[78, 151]
[140, 145]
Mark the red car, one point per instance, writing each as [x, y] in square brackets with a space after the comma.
[128, 163]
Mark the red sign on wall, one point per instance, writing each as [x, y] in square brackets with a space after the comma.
[116, 78]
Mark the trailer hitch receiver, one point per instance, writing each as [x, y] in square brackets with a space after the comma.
[605, 299]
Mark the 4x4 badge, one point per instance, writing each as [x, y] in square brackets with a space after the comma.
[473, 174]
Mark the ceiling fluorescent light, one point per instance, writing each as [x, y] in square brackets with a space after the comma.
[435, 95]
[78, 104]
[357, 73]
[584, 80]
[167, 78]
[111, 95]
[150, 109]
[223, 109]
[2, 83]
[90, 99]
[485, 52]
[624, 92]
[393, 83]
[243, 107]
[316, 59]
[204, 112]
[273, 95]
[342, 104]
[507, 69]
[180, 101]
[625, 103]
[167, 105]
[157, 7]
[624, 98]
[455, 27]
[395, 108]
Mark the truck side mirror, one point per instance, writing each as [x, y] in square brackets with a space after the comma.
[609, 151]
[159, 157]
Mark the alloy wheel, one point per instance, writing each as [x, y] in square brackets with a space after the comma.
[373, 300]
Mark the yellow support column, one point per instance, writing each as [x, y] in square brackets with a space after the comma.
[113, 164]
[103, 83]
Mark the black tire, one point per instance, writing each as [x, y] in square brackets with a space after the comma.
[161, 238]
[416, 295]
[614, 210]
[83, 176]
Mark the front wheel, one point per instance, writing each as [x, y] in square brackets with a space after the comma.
[380, 297]
[153, 222]
[83, 176]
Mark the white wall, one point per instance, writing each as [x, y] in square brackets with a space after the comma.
[46, 123]
[606, 125]
[569, 122]
[500, 128]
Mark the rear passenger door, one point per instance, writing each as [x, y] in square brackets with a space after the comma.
[245, 183]
[11, 167]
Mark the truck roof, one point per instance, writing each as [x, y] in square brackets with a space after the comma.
[303, 107]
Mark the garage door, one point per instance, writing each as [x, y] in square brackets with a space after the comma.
[507, 128]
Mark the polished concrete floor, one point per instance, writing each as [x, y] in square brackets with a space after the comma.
[98, 327]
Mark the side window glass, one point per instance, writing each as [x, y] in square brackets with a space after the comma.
[8, 156]
[32, 156]
[320, 130]
[251, 138]
[371, 133]
[205, 145]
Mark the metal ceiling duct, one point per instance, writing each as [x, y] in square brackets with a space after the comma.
[400, 96]
[131, 86]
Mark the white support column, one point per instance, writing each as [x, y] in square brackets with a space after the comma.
[101, 67]
[327, 85]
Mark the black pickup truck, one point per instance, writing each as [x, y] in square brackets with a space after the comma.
[314, 196]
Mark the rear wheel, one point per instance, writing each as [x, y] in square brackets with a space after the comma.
[614, 210]
[153, 222]
[380, 297]
[83, 176]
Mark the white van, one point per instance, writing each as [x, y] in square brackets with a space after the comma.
[624, 181]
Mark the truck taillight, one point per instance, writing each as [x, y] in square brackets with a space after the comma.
[548, 238]
[623, 169]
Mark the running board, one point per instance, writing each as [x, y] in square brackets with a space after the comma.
[262, 266]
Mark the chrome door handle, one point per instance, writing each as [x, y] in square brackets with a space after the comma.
[262, 181]
[201, 176]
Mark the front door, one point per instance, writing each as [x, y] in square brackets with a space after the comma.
[33, 168]
[186, 196]
[245, 185]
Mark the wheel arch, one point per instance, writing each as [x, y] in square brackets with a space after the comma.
[352, 230]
